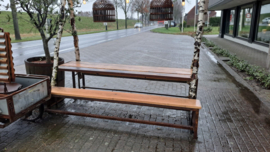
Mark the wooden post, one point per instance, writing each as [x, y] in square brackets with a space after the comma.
[203, 4]
[195, 119]
[58, 41]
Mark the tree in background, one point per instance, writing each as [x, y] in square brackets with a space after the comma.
[142, 7]
[15, 20]
[178, 11]
[125, 5]
[116, 4]
[146, 11]
[136, 7]
[38, 12]
[14, 16]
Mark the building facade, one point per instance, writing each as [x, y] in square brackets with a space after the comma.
[244, 21]
[189, 18]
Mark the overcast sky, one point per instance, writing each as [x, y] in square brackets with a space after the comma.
[88, 7]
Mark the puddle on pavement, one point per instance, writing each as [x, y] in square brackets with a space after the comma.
[211, 57]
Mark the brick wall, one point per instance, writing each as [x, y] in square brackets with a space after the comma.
[190, 16]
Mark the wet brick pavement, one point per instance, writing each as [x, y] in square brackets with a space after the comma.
[232, 118]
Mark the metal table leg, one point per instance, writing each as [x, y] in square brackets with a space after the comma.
[73, 80]
[79, 82]
[83, 80]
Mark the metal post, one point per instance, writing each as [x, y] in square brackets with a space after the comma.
[208, 19]
[183, 16]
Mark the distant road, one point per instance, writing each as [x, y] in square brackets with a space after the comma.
[24, 50]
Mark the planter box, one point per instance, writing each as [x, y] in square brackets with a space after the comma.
[36, 91]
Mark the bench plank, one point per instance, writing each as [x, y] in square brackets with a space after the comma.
[127, 98]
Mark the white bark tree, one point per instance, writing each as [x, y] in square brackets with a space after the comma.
[203, 4]
[58, 41]
[38, 12]
[74, 31]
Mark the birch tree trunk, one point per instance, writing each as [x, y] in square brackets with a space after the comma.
[74, 31]
[203, 4]
[58, 41]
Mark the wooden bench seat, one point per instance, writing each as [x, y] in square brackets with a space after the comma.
[134, 99]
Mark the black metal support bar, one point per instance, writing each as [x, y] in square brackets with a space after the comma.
[73, 80]
[119, 119]
[83, 79]
[79, 82]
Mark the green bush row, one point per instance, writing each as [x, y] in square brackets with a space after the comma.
[254, 72]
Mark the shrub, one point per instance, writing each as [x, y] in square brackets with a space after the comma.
[254, 72]
[241, 65]
[215, 21]
[233, 60]
[266, 82]
[208, 29]
[252, 69]
[209, 44]
[204, 39]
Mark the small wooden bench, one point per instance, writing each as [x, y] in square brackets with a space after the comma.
[125, 71]
[133, 99]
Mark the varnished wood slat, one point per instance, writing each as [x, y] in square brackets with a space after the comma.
[2, 41]
[3, 60]
[10, 58]
[4, 80]
[127, 98]
[3, 54]
[2, 47]
[4, 72]
[134, 68]
[4, 67]
[130, 74]
[2, 35]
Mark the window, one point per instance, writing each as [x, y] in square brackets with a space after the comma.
[263, 30]
[245, 21]
[230, 22]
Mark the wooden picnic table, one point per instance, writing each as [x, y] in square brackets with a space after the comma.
[124, 71]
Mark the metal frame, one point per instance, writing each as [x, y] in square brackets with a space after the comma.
[81, 75]
[193, 126]
[8, 119]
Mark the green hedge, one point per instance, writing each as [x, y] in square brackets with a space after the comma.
[215, 21]
[254, 72]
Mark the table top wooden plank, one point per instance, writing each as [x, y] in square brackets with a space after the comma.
[133, 68]
[130, 74]
[128, 98]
